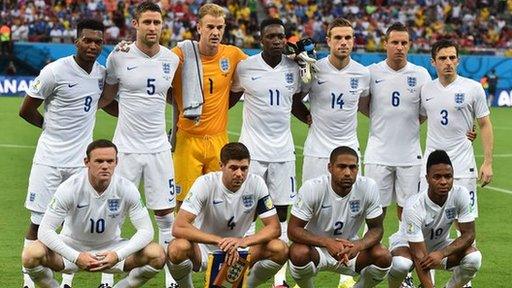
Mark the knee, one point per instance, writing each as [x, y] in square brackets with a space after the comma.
[155, 255]
[178, 250]
[472, 261]
[299, 254]
[278, 250]
[33, 254]
[381, 256]
[401, 264]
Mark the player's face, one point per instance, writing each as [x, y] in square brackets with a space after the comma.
[446, 62]
[211, 30]
[440, 179]
[149, 27]
[341, 41]
[234, 173]
[273, 40]
[101, 164]
[88, 45]
[343, 171]
[397, 46]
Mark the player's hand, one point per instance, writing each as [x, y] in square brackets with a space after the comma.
[230, 243]
[485, 176]
[350, 251]
[123, 46]
[231, 257]
[431, 261]
[471, 135]
[87, 261]
[336, 246]
[106, 260]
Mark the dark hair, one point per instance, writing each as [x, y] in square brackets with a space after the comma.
[397, 26]
[340, 150]
[338, 22]
[100, 143]
[89, 24]
[438, 157]
[146, 6]
[268, 22]
[234, 151]
[443, 43]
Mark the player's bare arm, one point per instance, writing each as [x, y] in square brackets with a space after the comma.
[299, 109]
[364, 105]
[183, 228]
[418, 252]
[108, 95]
[462, 242]
[234, 97]
[271, 230]
[487, 142]
[371, 238]
[29, 112]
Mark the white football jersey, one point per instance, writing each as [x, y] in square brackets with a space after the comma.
[93, 219]
[225, 213]
[394, 138]
[331, 215]
[268, 98]
[334, 97]
[70, 97]
[143, 85]
[451, 111]
[425, 221]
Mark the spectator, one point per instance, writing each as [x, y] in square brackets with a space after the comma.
[5, 39]
[10, 70]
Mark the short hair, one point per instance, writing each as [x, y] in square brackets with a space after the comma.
[89, 24]
[338, 22]
[212, 10]
[146, 6]
[234, 151]
[441, 44]
[341, 150]
[268, 22]
[438, 157]
[100, 143]
[397, 26]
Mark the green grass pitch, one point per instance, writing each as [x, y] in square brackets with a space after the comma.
[18, 140]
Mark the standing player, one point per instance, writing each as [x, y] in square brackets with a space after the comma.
[93, 205]
[451, 103]
[197, 146]
[393, 153]
[334, 98]
[425, 236]
[70, 88]
[272, 91]
[142, 77]
[223, 204]
[326, 218]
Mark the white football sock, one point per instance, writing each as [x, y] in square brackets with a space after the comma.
[262, 271]
[67, 279]
[400, 266]
[164, 224]
[26, 279]
[42, 277]
[137, 277]
[466, 270]
[371, 276]
[280, 276]
[107, 278]
[303, 275]
[182, 273]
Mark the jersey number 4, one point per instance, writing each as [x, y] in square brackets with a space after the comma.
[231, 223]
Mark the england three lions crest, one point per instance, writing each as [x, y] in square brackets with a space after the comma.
[411, 81]
[224, 65]
[459, 98]
[166, 67]
[355, 206]
[354, 83]
[450, 213]
[288, 77]
[113, 205]
[248, 201]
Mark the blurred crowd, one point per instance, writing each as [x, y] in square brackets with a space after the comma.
[478, 25]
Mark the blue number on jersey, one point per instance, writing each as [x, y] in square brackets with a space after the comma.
[395, 98]
[151, 86]
[231, 223]
[337, 101]
[97, 226]
[337, 228]
[272, 101]
[88, 101]
[444, 117]
[435, 234]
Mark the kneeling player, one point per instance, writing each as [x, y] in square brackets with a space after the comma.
[223, 205]
[423, 238]
[326, 218]
[93, 205]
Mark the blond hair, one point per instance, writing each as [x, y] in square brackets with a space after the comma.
[212, 10]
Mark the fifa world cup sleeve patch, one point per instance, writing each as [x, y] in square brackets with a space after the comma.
[264, 204]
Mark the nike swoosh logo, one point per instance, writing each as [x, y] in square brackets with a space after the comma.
[171, 199]
[292, 196]
[326, 206]
[256, 77]
[215, 202]
[72, 85]
[428, 99]
[81, 206]
[131, 68]
[378, 81]
[321, 82]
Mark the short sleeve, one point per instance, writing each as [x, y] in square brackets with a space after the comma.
[303, 206]
[465, 210]
[481, 109]
[112, 77]
[44, 85]
[412, 222]
[197, 196]
[265, 206]
[373, 209]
